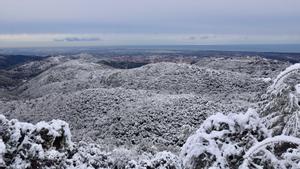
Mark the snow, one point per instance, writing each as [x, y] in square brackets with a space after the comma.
[222, 141]
[157, 98]
[264, 143]
[220, 137]
[2, 152]
[155, 107]
[268, 79]
[280, 106]
[297, 87]
[161, 160]
[279, 80]
[2, 147]
[260, 146]
[25, 142]
[56, 128]
[234, 141]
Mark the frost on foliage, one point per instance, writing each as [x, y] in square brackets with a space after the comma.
[88, 156]
[34, 146]
[279, 152]
[281, 104]
[2, 152]
[292, 157]
[279, 81]
[221, 141]
[161, 160]
[239, 141]
[48, 145]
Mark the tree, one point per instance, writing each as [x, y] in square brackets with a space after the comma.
[280, 106]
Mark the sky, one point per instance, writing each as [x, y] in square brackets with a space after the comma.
[29, 23]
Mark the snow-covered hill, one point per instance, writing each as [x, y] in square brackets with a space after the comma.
[172, 78]
[149, 109]
[152, 107]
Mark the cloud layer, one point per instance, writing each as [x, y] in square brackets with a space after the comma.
[31, 40]
[77, 39]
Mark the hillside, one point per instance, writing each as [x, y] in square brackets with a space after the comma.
[150, 104]
[148, 109]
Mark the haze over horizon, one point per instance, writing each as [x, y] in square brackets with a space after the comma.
[35, 23]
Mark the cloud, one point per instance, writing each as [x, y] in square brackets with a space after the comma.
[204, 37]
[201, 37]
[44, 40]
[78, 39]
[192, 38]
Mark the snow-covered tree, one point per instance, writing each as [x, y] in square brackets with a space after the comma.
[161, 160]
[221, 141]
[87, 156]
[279, 152]
[34, 146]
[239, 141]
[2, 152]
[48, 145]
[280, 107]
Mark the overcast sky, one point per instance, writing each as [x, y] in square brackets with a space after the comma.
[134, 22]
